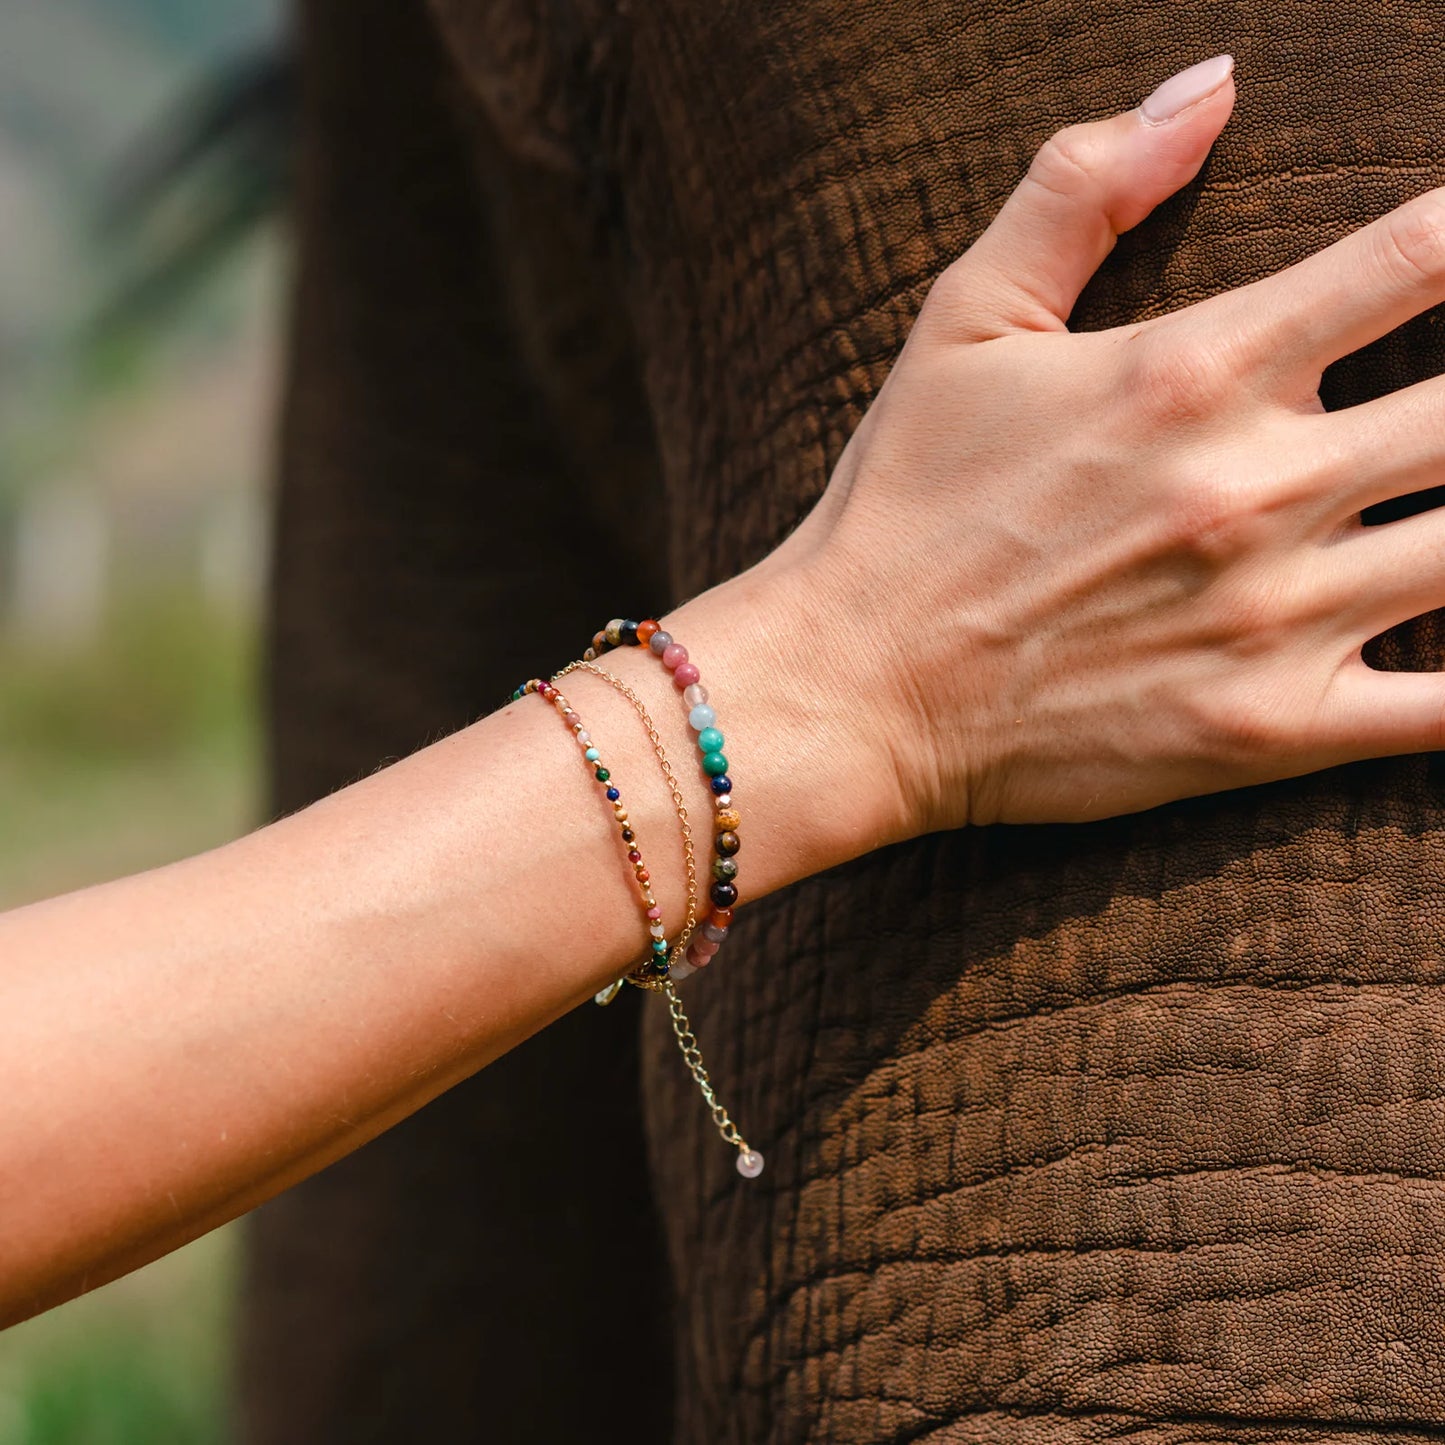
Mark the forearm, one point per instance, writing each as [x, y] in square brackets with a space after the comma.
[188, 1042]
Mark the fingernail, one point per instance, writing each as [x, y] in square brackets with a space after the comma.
[1186, 88]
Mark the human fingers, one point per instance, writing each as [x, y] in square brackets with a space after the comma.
[1087, 184]
[1375, 714]
[1381, 576]
[1343, 297]
[1378, 450]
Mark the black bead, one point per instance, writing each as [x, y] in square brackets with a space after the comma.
[723, 894]
[629, 634]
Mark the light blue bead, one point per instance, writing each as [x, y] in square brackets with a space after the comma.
[710, 740]
[591, 755]
[702, 716]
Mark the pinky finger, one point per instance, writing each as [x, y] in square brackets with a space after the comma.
[1383, 714]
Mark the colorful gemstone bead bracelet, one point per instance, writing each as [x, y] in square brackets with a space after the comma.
[701, 717]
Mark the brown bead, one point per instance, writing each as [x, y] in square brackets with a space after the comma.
[722, 917]
[728, 844]
[729, 818]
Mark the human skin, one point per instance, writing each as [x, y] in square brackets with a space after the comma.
[225, 1026]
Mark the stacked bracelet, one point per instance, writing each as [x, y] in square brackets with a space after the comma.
[723, 894]
[657, 971]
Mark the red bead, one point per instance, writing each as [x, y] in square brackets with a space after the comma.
[646, 629]
[634, 855]
[643, 875]
[722, 917]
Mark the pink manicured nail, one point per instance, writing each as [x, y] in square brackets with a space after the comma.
[1186, 88]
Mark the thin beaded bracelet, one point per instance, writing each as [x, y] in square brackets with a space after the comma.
[702, 719]
[653, 972]
[689, 924]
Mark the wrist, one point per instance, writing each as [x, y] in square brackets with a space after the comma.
[816, 777]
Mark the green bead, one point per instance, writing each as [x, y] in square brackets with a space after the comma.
[710, 740]
[715, 764]
[602, 775]
[724, 870]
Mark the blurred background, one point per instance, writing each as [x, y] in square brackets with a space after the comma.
[143, 146]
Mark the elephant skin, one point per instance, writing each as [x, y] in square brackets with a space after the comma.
[1131, 1130]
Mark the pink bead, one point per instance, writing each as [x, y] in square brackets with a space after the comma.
[705, 946]
[673, 655]
[685, 674]
[695, 696]
[696, 959]
[654, 913]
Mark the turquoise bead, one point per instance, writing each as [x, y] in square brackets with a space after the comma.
[710, 740]
[715, 764]
[659, 946]
[591, 755]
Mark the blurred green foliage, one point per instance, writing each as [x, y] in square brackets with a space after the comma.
[140, 743]
[139, 748]
[142, 1362]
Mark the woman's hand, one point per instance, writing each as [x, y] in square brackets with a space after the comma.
[1112, 569]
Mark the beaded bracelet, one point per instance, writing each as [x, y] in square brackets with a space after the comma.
[653, 973]
[702, 719]
[689, 924]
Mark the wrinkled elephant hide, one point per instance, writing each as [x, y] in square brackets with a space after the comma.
[1132, 1130]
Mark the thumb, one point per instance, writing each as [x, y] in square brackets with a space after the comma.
[1086, 185]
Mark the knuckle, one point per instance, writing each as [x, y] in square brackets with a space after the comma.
[1069, 162]
[1246, 722]
[1174, 384]
[1212, 520]
[1248, 729]
[1412, 239]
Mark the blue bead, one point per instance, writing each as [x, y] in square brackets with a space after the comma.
[723, 784]
[659, 946]
[710, 740]
[591, 755]
[702, 716]
[613, 795]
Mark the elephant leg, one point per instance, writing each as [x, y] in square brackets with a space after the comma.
[1134, 1129]
[453, 466]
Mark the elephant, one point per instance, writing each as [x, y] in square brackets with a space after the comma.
[1128, 1129]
